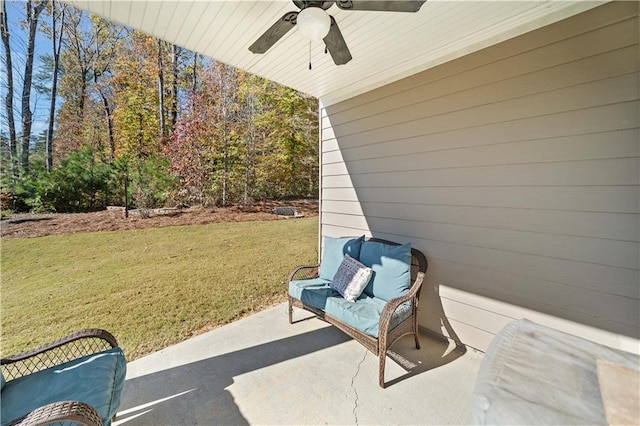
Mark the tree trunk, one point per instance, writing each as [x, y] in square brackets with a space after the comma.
[33, 11]
[250, 147]
[9, 94]
[225, 155]
[174, 88]
[107, 113]
[161, 110]
[57, 45]
[225, 142]
[83, 71]
[195, 74]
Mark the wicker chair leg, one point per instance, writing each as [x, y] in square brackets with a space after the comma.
[416, 332]
[290, 312]
[383, 359]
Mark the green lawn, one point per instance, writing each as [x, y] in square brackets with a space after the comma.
[150, 288]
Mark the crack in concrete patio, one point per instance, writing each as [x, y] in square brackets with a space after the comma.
[355, 402]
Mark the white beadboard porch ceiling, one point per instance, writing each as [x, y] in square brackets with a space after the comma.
[385, 46]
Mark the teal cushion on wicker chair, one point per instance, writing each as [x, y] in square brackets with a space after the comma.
[312, 292]
[95, 379]
[334, 251]
[391, 269]
[364, 314]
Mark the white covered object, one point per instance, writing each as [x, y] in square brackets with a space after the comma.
[532, 374]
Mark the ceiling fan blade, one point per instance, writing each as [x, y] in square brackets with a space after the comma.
[381, 5]
[274, 33]
[336, 45]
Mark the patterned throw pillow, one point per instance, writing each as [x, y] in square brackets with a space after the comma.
[351, 278]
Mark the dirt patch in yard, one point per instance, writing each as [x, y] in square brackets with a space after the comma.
[38, 225]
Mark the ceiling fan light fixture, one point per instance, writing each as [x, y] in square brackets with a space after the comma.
[313, 23]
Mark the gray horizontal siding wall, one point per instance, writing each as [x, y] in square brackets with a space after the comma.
[515, 169]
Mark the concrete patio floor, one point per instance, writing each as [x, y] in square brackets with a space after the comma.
[262, 370]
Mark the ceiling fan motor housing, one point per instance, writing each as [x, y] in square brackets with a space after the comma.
[303, 4]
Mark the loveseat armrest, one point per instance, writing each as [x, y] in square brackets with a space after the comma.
[303, 272]
[393, 304]
[63, 412]
[73, 346]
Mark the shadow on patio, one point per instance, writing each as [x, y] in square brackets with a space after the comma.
[262, 370]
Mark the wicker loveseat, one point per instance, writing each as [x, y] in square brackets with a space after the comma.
[386, 309]
[78, 379]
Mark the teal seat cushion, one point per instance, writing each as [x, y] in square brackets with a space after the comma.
[364, 314]
[95, 379]
[334, 251]
[391, 269]
[312, 292]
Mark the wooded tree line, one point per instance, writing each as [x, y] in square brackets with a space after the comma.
[127, 110]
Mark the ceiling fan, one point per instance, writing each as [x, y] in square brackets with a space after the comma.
[316, 24]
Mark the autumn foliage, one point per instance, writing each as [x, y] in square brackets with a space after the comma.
[165, 124]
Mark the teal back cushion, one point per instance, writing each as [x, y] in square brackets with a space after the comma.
[334, 251]
[95, 379]
[391, 269]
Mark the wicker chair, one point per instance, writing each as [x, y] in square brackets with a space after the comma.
[68, 348]
[386, 336]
